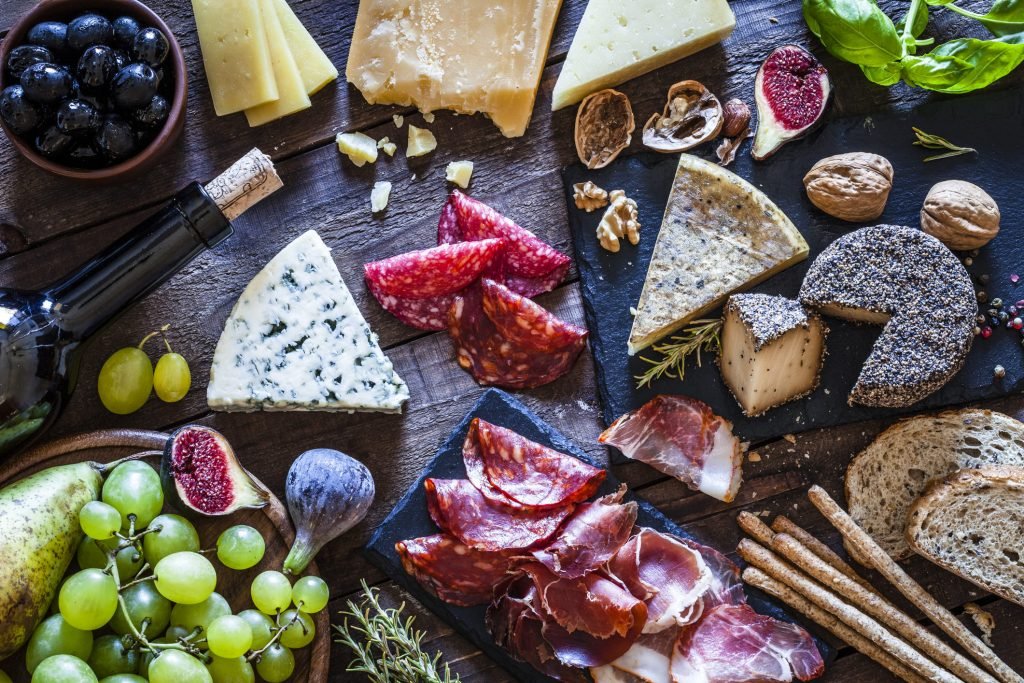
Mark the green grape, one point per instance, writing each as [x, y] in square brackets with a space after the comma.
[261, 626]
[300, 633]
[185, 578]
[176, 534]
[174, 666]
[147, 657]
[276, 664]
[63, 669]
[125, 381]
[143, 601]
[271, 592]
[200, 615]
[123, 678]
[110, 656]
[172, 378]
[134, 488]
[229, 636]
[310, 594]
[178, 632]
[99, 520]
[92, 554]
[231, 670]
[240, 547]
[89, 599]
[54, 636]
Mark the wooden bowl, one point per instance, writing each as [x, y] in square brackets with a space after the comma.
[65, 10]
[311, 662]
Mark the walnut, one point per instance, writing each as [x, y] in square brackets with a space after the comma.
[589, 196]
[852, 187]
[619, 220]
[959, 214]
[692, 116]
[604, 127]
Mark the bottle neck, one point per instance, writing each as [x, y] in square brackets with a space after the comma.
[139, 262]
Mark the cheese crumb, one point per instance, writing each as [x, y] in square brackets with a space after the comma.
[358, 147]
[429, 117]
[421, 141]
[379, 196]
[398, 119]
[459, 172]
[389, 147]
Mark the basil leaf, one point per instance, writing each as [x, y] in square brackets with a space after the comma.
[886, 75]
[1004, 18]
[963, 65]
[856, 31]
[919, 22]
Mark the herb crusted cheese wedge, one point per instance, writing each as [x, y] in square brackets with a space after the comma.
[296, 341]
[719, 234]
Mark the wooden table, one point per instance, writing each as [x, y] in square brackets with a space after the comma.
[51, 225]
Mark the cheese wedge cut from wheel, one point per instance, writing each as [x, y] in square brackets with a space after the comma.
[296, 341]
[316, 68]
[291, 89]
[719, 235]
[617, 41]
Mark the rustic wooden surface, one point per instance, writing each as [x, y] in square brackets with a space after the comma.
[48, 225]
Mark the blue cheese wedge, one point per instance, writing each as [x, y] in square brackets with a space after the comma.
[296, 341]
[719, 235]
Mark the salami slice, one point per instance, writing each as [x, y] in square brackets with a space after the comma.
[432, 272]
[534, 286]
[592, 535]
[423, 314]
[448, 225]
[526, 323]
[459, 508]
[453, 571]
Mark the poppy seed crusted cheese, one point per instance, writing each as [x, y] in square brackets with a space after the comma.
[912, 284]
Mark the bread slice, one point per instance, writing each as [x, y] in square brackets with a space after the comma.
[886, 477]
[971, 523]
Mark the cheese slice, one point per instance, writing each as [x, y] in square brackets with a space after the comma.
[296, 341]
[291, 89]
[316, 67]
[719, 234]
[236, 54]
[465, 55]
[617, 41]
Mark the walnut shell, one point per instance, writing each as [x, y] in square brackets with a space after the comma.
[692, 116]
[851, 187]
[959, 214]
[604, 127]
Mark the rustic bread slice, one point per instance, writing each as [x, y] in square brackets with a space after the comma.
[886, 477]
[971, 524]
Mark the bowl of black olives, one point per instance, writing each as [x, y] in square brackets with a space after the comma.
[92, 89]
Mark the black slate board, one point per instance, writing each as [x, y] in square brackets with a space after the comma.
[993, 123]
[409, 519]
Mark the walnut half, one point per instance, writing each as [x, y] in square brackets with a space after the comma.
[619, 220]
[589, 196]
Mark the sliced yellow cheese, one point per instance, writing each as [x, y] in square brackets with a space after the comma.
[316, 67]
[617, 41]
[291, 90]
[465, 55]
[236, 54]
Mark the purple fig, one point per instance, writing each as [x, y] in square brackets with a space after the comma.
[792, 91]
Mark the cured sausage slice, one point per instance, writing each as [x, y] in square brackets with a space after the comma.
[431, 272]
[453, 571]
[423, 314]
[459, 508]
[526, 323]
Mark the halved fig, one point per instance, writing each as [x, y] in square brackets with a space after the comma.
[604, 127]
[200, 473]
[692, 116]
[792, 91]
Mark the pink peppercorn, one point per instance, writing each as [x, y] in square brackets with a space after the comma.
[986, 332]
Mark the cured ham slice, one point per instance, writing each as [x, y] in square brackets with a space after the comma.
[453, 571]
[649, 660]
[735, 644]
[683, 438]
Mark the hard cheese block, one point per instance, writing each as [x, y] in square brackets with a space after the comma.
[291, 89]
[236, 54]
[617, 41]
[316, 68]
[466, 55]
[296, 341]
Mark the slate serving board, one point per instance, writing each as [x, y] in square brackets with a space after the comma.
[993, 123]
[409, 519]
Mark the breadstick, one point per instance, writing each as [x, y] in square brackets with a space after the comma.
[755, 528]
[784, 525]
[757, 578]
[912, 590]
[780, 570]
[878, 607]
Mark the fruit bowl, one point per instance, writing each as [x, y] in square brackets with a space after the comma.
[311, 662]
[64, 10]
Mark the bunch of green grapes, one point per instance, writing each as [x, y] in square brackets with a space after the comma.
[142, 604]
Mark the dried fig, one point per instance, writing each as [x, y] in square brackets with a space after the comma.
[692, 116]
[604, 127]
[961, 215]
[852, 187]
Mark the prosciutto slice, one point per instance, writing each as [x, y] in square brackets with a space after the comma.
[453, 571]
[726, 586]
[735, 644]
[683, 438]
[649, 660]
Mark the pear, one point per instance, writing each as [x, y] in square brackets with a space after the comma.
[39, 534]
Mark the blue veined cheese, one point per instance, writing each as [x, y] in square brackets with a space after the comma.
[296, 341]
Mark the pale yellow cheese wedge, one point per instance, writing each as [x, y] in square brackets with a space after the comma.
[292, 96]
[316, 67]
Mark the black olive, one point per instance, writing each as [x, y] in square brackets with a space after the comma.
[76, 117]
[153, 114]
[25, 56]
[125, 29]
[53, 35]
[20, 115]
[122, 59]
[47, 83]
[89, 29]
[97, 66]
[97, 100]
[116, 139]
[133, 86]
[150, 46]
[86, 156]
[51, 143]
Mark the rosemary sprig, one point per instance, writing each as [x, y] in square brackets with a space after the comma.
[701, 335]
[386, 646]
[929, 141]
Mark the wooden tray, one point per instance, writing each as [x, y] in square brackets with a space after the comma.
[312, 662]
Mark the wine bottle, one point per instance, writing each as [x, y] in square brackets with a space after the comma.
[42, 332]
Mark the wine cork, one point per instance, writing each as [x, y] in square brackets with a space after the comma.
[249, 180]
